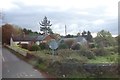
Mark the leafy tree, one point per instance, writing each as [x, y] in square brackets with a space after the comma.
[69, 36]
[25, 31]
[84, 34]
[7, 31]
[89, 37]
[118, 42]
[104, 39]
[118, 39]
[28, 31]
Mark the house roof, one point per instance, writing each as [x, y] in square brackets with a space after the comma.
[76, 39]
[41, 37]
[23, 38]
[30, 37]
[80, 39]
[68, 39]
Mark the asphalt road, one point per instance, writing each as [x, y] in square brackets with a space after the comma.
[13, 67]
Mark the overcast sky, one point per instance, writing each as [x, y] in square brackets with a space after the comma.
[77, 15]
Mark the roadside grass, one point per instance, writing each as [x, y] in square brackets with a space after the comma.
[105, 59]
[19, 48]
[80, 58]
[44, 59]
[42, 66]
[47, 55]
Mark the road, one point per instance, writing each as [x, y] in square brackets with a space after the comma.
[13, 67]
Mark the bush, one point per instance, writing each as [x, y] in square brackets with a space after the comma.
[87, 53]
[92, 45]
[40, 61]
[65, 53]
[25, 46]
[101, 52]
[111, 58]
[76, 47]
[41, 66]
[84, 51]
[62, 46]
[43, 46]
[113, 49]
[34, 48]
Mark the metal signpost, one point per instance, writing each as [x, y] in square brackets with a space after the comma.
[53, 45]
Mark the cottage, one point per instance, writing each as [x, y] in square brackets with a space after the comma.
[75, 40]
[80, 40]
[29, 39]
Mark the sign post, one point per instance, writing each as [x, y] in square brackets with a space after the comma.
[53, 45]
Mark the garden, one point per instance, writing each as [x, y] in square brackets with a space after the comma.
[79, 61]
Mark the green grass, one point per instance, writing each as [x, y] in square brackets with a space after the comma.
[47, 58]
[19, 48]
[99, 59]
[105, 59]
[42, 66]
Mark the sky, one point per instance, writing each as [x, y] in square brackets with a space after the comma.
[77, 15]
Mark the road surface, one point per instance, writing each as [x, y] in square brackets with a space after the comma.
[13, 67]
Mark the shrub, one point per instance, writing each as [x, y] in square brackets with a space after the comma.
[34, 47]
[76, 47]
[41, 66]
[101, 52]
[25, 46]
[116, 49]
[112, 50]
[62, 46]
[92, 45]
[89, 54]
[65, 52]
[84, 51]
[43, 46]
[111, 58]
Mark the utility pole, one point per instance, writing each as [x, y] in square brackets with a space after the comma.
[65, 30]
[2, 17]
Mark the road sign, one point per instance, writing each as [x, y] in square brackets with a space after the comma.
[53, 44]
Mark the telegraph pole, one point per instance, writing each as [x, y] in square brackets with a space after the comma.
[65, 30]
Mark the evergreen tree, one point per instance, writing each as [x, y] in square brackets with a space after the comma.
[45, 23]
